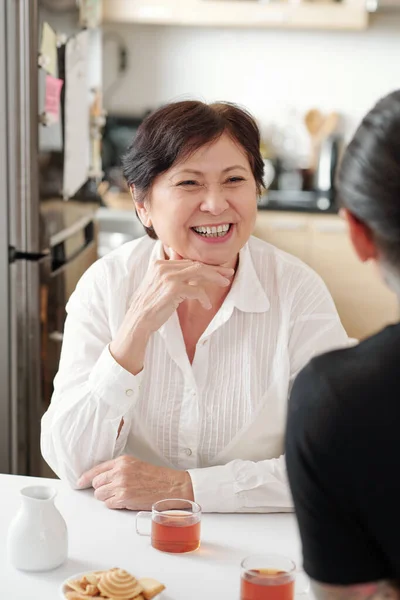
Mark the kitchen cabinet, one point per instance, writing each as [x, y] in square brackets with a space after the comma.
[345, 15]
[287, 231]
[364, 303]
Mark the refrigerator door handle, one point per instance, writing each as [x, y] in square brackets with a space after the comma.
[14, 254]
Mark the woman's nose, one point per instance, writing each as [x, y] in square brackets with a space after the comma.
[214, 201]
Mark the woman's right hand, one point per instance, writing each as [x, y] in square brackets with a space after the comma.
[167, 283]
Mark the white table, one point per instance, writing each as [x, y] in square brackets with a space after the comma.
[100, 538]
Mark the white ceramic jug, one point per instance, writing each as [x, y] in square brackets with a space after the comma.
[37, 536]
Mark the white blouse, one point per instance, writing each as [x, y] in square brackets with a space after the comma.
[221, 418]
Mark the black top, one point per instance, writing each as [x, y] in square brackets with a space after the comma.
[343, 460]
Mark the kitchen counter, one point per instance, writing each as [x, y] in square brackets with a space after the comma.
[298, 201]
[277, 207]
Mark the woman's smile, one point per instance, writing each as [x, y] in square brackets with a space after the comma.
[214, 234]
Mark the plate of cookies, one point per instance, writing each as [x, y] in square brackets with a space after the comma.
[114, 584]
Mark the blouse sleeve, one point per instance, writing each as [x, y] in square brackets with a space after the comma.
[92, 392]
[243, 486]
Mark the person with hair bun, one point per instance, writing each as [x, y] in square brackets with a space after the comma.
[180, 348]
[344, 413]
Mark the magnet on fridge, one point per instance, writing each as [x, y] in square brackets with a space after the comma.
[61, 39]
[44, 119]
[43, 61]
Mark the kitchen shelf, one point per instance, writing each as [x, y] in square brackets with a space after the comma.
[345, 15]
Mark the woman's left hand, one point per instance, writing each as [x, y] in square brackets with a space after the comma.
[126, 482]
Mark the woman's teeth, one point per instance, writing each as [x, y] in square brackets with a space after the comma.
[218, 231]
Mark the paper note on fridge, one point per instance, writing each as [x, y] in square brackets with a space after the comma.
[52, 99]
[77, 116]
[48, 51]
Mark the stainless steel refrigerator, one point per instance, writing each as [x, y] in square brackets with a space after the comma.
[46, 243]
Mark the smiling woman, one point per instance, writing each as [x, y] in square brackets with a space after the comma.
[209, 217]
[180, 348]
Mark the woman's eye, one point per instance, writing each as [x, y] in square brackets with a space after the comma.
[188, 182]
[235, 179]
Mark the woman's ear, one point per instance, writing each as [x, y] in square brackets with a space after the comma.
[141, 208]
[361, 237]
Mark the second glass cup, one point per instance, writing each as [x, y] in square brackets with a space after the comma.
[271, 577]
[175, 525]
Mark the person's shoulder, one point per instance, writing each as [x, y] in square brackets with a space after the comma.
[351, 378]
[374, 355]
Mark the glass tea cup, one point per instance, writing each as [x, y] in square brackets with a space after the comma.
[175, 525]
[270, 577]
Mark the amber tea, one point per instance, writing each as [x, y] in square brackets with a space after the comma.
[267, 584]
[175, 531]
[175, 525]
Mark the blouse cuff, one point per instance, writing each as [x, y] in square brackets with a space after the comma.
[214, 489]
[118, 388]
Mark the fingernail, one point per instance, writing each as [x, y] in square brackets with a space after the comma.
[80, 482]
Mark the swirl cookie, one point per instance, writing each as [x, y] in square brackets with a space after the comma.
[119, 585]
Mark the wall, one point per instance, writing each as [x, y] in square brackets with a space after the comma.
[267, 71]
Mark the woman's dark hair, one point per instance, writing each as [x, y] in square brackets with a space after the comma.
[177, 130]
[368, 182]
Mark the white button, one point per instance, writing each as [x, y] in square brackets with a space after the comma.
[204, 342]
[188, 452]
[129, 392]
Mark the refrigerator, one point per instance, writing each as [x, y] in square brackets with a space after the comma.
[47, 232]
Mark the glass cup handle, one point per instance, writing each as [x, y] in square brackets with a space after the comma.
[305, 587]
[142, 515]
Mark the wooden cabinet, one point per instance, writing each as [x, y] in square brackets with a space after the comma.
[364, 303]
[287, 231]
[345, 15]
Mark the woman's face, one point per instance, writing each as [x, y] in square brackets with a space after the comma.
[205, 207]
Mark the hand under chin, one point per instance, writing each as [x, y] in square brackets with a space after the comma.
[174, 255]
